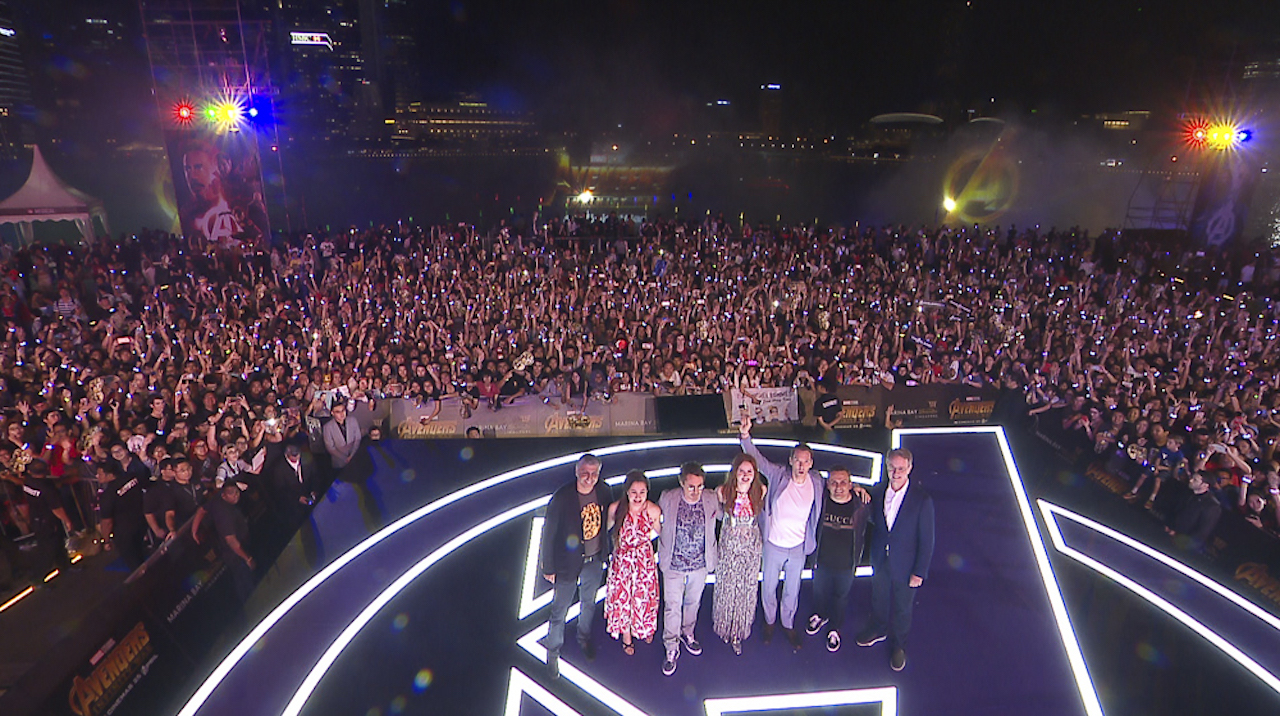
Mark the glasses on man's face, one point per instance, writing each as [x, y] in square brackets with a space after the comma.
[694, 488]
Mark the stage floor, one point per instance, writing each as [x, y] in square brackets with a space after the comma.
[417, 594]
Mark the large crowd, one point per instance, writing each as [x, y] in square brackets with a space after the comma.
[154, 355]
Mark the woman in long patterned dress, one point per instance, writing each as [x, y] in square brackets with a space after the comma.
[631, 597]
[738, 569]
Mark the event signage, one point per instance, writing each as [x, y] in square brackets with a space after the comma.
[117, 668]
[934, 405]
[623, 414]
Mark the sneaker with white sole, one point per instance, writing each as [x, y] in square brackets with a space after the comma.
[669, 664]
[815, 625]
[691, 644]
[833, 641]
[868, 638]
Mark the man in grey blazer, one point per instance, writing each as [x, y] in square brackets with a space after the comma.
[341, 436]
[686, 554]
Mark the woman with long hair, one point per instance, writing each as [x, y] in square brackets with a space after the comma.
[631, 596]
[738, 570]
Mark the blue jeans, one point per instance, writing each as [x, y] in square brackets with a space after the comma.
[585, 585]
[777, 559]
[831, 593]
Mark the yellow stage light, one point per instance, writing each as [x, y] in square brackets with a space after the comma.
[949, 204]
[1223, 136]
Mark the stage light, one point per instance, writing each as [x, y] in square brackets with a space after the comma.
[585, 197]
[1244, 135]
[183, 112]
[227, 113]
[949, 204]
[1224, 136]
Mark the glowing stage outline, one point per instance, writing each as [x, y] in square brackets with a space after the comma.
[886, 696]
[520, 684]
[224, 667]
[1051, 514]
[1088, 694]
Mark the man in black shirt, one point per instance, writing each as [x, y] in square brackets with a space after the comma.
[123, 523]
[47, 510]
[185, 496]
[841, 534]
[1198, 515]
[827, 409]
[231, 529]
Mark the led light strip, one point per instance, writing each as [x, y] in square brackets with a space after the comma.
[1156, 600]
[1084, 682]
[16, 598]
[530, 643]
[1049, 508]
[886, 696]
[521, 684]
[331, 654]
[210, 684]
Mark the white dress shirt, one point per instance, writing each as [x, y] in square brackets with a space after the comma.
[893, 502]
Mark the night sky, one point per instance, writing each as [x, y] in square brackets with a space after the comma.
[652, 63]
[653, 66]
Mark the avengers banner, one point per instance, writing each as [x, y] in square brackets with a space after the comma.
[217, 178]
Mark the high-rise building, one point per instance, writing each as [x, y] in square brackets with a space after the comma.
[329, 86]
[15, 87]
[771, 109]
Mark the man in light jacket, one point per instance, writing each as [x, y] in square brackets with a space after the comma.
[686, 554]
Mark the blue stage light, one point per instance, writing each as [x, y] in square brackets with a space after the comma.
[1244, 135]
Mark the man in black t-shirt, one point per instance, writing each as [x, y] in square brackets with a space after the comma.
[841, 534]
[122, 504]
[231, 529]
[827, 409]
[47, 510]
[185, 496]
[575, 547]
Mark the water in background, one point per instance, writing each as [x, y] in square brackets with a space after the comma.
[344, 191]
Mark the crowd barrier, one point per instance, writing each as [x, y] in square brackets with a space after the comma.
[621, 414]
[1236, 550]
[909, 406]
[628, 414]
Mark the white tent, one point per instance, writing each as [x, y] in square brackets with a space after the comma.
[45, 197]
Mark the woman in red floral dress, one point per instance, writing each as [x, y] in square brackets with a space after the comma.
[631, 601]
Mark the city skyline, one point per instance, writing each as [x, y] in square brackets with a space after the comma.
[649, 70]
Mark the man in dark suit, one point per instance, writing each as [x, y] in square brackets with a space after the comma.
[294, 485]
[575, 546]
[901, 549]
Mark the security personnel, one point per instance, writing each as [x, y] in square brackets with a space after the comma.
[47, 511]
[123, 518]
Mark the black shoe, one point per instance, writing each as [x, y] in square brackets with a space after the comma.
[767, 634]
[793, 636]
[898, 659]
[588, 649]
[868, 638]
[816, 623]
[669, 664]
[553, 667]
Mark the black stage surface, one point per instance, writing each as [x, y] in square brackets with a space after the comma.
[414, 595]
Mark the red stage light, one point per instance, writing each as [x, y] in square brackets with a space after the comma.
[1196, 132]
[183, 112]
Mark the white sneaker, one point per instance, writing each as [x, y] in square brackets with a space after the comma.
[833, 641]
